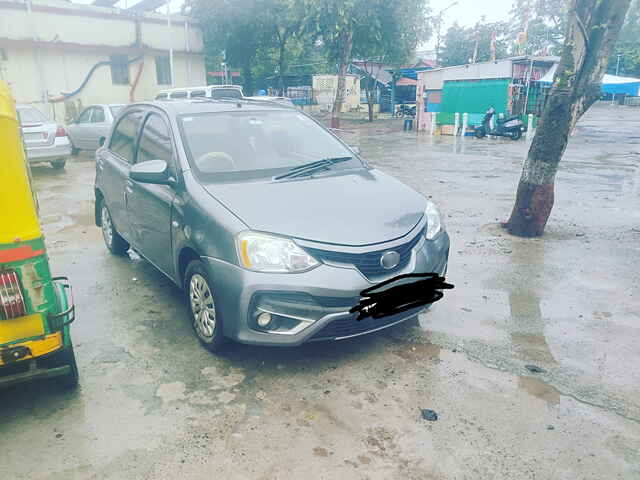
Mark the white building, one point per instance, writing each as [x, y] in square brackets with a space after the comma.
[325, 88]
[52, 48]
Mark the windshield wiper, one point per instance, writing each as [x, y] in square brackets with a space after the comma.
[311, 167]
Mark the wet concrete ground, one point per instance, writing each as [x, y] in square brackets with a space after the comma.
[153, 404]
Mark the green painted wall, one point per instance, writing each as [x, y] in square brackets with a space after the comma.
[475, 96]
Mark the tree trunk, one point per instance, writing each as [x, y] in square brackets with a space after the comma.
[592, 31]
[247, 73]
[282, 44]
[345, 57]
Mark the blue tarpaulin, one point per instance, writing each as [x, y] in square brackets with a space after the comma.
[611, 84]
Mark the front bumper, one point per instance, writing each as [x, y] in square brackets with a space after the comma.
[61, 148]
[36, 364]
[328, 292]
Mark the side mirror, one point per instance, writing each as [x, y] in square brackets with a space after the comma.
[151, 171]
[355, 149]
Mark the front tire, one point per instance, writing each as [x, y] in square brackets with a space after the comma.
[205, 319]
[516, 134]
[112, 239]
[480, 133]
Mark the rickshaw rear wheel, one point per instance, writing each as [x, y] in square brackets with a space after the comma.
[60, 163]
[66, 357]
[112, 239]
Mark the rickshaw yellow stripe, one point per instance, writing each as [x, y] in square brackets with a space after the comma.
[21, 327]
[37, 348]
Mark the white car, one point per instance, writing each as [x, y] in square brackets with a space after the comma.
[92, 127]
[210, 91]
[44, 139]
[281, 100]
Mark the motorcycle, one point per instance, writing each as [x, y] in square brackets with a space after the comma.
[403, 110]
[511, 127]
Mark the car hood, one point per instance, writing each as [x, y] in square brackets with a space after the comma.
[360, 207]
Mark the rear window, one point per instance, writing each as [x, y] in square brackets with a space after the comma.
[115, 110]
[226, 93]
[161, 96]
[30, 115]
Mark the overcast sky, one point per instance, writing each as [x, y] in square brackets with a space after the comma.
[468, 12]
[465, 12]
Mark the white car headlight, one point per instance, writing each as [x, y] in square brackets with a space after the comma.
[268, 253]
[435, 223]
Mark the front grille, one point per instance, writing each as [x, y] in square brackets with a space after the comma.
[369, 263]
[345, 327]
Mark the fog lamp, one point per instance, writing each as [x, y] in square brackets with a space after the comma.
[264, 319]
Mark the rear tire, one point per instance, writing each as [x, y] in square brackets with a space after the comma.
[480, 133]
[59, 164]
[112, 239]
[516, 134]
[205, 319]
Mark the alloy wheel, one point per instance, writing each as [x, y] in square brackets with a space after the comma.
[107, 227]
[202, 306]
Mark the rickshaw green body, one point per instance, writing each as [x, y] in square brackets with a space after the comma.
[36, 308]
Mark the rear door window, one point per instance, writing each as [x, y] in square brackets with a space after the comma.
[198, 93]
[124, 136]
[179, 95]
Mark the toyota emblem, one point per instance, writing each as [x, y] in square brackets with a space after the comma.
[390, 260]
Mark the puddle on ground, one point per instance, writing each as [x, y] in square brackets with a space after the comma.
[539, 389]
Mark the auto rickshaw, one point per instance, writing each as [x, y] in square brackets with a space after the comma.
[35, 308]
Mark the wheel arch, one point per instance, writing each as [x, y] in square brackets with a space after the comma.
[187, 254]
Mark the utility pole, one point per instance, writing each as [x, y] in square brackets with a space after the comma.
[170, 46]
[439, 29]
[613, 96]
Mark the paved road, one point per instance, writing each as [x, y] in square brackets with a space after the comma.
[153, 404]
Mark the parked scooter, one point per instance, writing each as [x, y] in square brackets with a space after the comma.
[404, 110]
[511, 127]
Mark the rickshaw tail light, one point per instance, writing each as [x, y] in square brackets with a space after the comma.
[11, 299]
[61, 132]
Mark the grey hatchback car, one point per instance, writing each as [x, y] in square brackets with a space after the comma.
[271, 224]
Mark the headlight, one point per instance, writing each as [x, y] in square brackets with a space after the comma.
[267, 253]
[435, 224]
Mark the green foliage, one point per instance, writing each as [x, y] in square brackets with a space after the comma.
[547, 22]
[276, 42]
[459, 43]
[628, 45]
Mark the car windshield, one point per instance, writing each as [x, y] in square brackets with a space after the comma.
[115, 109]
[240, 146]
[30, 115]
